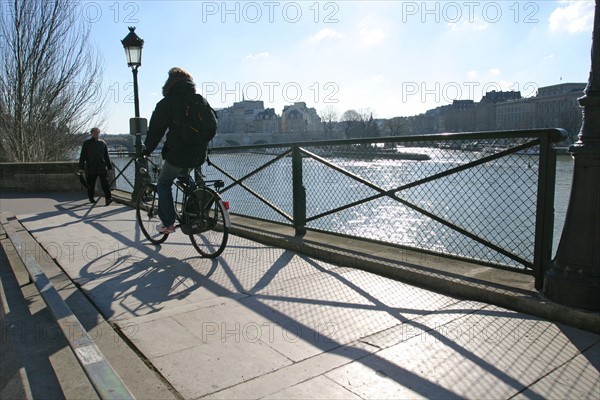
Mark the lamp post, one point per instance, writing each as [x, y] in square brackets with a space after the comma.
[573, 277]
[133, 50]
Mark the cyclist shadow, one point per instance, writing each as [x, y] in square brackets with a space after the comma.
[124, 274]
[136, 280]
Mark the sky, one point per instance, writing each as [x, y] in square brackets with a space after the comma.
[391, 58]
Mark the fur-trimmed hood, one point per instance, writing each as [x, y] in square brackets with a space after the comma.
[178, 85]
[177, 75]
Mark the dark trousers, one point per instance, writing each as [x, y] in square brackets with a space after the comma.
[91, 181]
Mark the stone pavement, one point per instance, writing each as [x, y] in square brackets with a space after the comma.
[265, 322]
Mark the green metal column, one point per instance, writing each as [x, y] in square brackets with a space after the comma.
[573, 278]
[299, 193]
[545, 211]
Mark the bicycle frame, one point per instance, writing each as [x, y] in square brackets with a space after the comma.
[186, 185]
[201, 213]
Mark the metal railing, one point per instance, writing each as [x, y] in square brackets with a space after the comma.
[124, 165]
[484, 197]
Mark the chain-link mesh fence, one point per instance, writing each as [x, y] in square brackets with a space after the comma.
[458, 199]
[472, 196]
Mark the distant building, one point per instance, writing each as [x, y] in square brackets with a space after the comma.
[248, 116]
[558, 106]
[553, 106]
[267, 121]
[494, 97]
[298, 118]
[460, 116]
[516, 114]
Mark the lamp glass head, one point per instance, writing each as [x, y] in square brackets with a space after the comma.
[133, 48]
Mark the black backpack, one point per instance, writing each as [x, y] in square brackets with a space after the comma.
[199, 120]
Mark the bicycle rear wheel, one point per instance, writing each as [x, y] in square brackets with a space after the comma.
[209, 229]
[146, 213]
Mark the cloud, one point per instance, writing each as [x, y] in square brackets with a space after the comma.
[508, 85]
[371, 36]
[258, 56]
[574, 17]
[476, 25]
[324, 34]
[475, 75]
[370, 32]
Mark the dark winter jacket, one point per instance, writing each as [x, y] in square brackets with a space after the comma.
[166, 118]
[94, 157]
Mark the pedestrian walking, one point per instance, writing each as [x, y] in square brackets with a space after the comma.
[95, 163]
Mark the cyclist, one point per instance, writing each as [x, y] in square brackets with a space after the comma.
[178, 154]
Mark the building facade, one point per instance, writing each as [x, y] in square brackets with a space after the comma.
[553, 106]
[241, 117]
[298, 118]
[252, 117]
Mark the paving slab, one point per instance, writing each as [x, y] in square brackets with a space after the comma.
[320, 387]
[576, 379]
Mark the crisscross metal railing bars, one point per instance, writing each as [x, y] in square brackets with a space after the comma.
[484, 196]
[124, 165]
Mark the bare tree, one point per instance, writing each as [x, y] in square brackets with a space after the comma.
[365, 114]
[358, 124]
[352, 124]
[50, 80]
[369, 127]
[395, 126]
[329, 116]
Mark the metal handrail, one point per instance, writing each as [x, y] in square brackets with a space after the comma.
[555, 135]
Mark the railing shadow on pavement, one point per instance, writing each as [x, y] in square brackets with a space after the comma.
[142, 275]
[70, 205]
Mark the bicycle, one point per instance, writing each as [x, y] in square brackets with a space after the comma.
[201, 214]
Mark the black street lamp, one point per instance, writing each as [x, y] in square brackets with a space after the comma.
[573, 278]
[133, 50]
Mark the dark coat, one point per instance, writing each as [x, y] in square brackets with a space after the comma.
[94, 157]
[166, 119]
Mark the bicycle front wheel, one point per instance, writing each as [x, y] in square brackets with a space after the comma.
[208, 221]
[146, 213]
